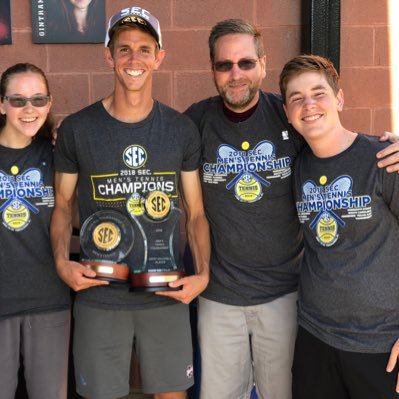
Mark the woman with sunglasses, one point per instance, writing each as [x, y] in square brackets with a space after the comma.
[34, 302]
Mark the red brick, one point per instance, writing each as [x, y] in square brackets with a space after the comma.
[277, 13]
[205, 13]
[281, 44]
[366, 87]
[270, 83]
[23, 50]
[77, 58]
[70, 92]
[186, 50]
[364, 12]
[21, 15]
[356, 119]
[382, 46]
[191, 87]
[102, 84]
[357, 46]
[162, 87]
[382, 121]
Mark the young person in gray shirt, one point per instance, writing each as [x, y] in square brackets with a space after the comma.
[118, 152]
[34, 301]
[348, 295]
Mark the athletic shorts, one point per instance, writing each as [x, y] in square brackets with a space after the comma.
[103, 344]
[42, 340]
[323, 372]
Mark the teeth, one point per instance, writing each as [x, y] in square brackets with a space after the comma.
[311, 118]
[28, 120]
[134, 72]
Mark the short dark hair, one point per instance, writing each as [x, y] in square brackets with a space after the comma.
[46, 130]
[231, 26]
[308, 63]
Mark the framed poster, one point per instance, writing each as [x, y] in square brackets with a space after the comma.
[68, 21]
[5, 22]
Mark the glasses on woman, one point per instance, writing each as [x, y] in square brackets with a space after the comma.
[20, 102]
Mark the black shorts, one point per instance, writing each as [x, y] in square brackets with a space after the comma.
[323, 372]
[103, 342]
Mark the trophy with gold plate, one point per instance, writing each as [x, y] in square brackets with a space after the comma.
[157, 219]
[106, 238]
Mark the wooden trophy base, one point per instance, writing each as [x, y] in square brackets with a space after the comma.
[156, 281]
[112, 272]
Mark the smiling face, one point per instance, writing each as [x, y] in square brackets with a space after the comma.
[311, 105]
[23, 123]
[134, 57]
[238, 88]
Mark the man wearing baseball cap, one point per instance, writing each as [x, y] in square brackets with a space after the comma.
[112, 151]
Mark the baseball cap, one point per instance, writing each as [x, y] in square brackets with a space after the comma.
[135, 16]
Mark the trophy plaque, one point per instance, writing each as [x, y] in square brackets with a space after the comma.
[106, 238]
[157, 220]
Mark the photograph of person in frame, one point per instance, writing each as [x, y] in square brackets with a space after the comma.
[68, 21]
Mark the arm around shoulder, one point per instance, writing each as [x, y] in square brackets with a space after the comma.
[389, 156]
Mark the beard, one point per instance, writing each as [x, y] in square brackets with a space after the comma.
[237, 101]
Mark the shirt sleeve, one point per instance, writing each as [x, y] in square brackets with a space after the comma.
[65, 150]
[390, 189]
[192, 153]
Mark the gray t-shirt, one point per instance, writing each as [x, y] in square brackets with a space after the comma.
[28, 279]
[349, 281]
[246, 178]
[116, 160]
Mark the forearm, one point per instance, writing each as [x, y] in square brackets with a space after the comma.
[61, 233]
[199, 241]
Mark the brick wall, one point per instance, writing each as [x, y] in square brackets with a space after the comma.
[365, 71]
[79, 75]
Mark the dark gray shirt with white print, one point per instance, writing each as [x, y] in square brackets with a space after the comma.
[349, 296]
[247, 187]
[28, 279]
[117, 163]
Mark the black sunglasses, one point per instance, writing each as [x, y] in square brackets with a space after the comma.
[20, 102]
[244, 64]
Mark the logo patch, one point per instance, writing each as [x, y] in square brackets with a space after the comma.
[326, 230]
[284, 134]
[106, 236]
[135, 205]
[252, 168]
[248, 189]
[157, 205]
[134, 156]
[190, 371]
[324, 201]
[18, 190]
[16, 216]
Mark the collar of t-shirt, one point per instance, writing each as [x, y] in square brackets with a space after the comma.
[237, 117]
